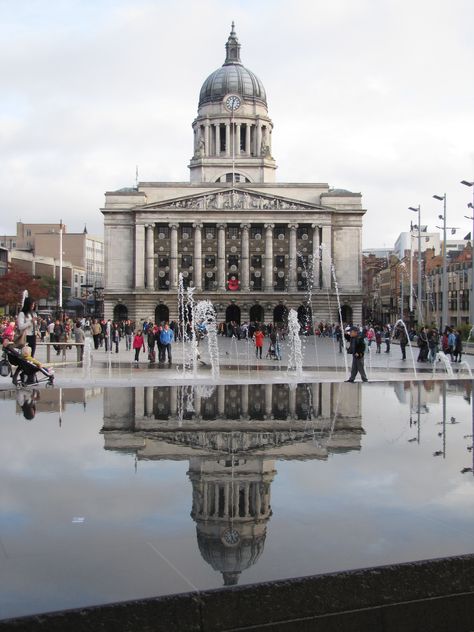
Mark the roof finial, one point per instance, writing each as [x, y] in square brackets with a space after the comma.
[232, 48]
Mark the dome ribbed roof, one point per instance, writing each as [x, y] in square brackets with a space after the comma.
[232, 77]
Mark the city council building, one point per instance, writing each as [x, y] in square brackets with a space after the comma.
[253, 246]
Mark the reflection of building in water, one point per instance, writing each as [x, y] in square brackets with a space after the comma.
[53, 400]
[232, 436]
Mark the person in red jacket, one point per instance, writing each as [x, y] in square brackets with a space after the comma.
[138, 343]
[258, 337]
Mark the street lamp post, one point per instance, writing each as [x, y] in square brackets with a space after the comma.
[60, 268]
[420, 289]
[471, 206]
[444, 311]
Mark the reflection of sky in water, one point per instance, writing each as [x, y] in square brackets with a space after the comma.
[81, 524]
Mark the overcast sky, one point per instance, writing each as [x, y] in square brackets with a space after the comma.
[375, 96]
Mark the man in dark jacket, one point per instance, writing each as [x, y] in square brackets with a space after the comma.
[357, 349]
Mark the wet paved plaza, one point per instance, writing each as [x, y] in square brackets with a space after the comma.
[120, 492]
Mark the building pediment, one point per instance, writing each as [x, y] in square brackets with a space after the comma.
[229, 199]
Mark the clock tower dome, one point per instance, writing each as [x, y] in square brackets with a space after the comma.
[232, 131]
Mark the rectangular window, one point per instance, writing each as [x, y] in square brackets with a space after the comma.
[186, 261]
[256, 282]
[256, 232]
[163, 262]
[163, 231]
[280, 261]
[209, 261]
[209, 232]
[233, 260]
[233, 232]
[186, 232]
[302, 232]
[256, 261]
[210, 281]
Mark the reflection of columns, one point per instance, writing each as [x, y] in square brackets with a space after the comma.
[173, 401]
[268, 400]
[269, 257]
[206, 139]
[148, 401]
[197, 405]
[244, 399]
[150, 258]
[315, 396]
[226, 500]
[197, 262]
[139, 258]
[204, 498]
[292, 261]
[326, 255]
[245, 280]
[247, 499]
[248, 149]
[139, 401]
[221, 285]
[174, 257]
[259, 139]
[227, 139]
[292, 402]
[326, 400]
[221, 400]
[316, 257]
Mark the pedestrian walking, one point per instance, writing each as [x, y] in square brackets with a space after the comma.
[138, 344]
[403, 340]
[258, 338]
[357, 350]
[166, 340]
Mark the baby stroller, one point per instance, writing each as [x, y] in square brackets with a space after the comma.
[25, 372]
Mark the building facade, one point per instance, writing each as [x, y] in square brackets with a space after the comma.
[252, 246]
[83, 251]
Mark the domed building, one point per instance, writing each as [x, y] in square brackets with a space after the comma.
[254, 247]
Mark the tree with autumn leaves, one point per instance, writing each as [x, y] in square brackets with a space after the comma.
[12, 285]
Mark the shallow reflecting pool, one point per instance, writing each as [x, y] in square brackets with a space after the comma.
[123, 493]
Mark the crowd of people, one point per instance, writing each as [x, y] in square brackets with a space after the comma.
[156, 339]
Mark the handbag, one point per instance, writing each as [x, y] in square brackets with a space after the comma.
[5, 368]
[19, 340]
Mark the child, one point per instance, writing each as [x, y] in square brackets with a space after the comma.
[26, 353]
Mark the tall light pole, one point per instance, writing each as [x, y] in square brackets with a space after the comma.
[61, 268]
[444, 311]
[420, 289]
[471, 298]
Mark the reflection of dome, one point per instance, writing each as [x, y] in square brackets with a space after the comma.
[232, 77]
[230, 560]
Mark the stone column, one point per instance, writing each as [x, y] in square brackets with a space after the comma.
[218, 138]
[316, 257]
[221, 281]
[174, 257]
[197, 262]
[228, 133]
[245, 280]
[326, 255]
[150, 258]
[206, 139]
[139, 256]
[292, 264]
[268, 282]
[237, 138]
[248, 149]
[258, 141]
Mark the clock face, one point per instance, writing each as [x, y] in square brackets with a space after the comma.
[230, 537]
[232, 102]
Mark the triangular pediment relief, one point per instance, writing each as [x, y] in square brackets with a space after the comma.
[237, 199]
